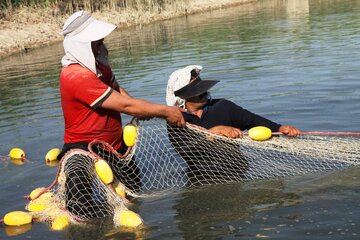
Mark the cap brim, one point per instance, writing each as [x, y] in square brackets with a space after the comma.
[95, 31]
[195, 88]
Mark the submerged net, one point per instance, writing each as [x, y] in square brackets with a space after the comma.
[4, 161]
[166, 158]
[171, 157]
[78, 192]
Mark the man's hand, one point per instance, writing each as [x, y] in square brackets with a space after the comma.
[174, 116]
[289, 131]
[227, 131]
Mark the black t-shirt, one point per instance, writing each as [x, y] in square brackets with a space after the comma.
[224, 112]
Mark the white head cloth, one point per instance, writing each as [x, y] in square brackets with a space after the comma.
[79, 30]
[178, 79]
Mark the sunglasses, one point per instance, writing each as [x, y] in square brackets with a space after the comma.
[204, 94]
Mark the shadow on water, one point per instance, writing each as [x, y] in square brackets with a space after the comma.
[225, 209]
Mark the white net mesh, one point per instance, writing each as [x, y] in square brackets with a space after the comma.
[86, 196]
[175, 157]
[167, 158]
[79, 193]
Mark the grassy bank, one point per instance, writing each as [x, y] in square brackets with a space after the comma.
[26, 24]
[69, 6]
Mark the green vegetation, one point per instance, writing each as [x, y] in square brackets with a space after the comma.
[33, 23]
[9, 4]
[66, 6]
[58, 8]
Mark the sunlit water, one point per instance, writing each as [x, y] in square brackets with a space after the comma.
[295, 62]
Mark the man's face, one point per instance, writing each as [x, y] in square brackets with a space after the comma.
[199, 100]
[95, 46]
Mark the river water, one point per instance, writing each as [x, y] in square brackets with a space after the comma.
[295, 62]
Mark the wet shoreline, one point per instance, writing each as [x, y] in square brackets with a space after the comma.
[34, 28]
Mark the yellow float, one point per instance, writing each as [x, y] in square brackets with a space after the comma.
[17, 153]
[35, 207]
[17, 218]
[104, 171]
[260, 133]
[45, 197]
[34, 193]
[52, 154]
[127, 218]
[129, 134]
[60, 222]
[119, 188]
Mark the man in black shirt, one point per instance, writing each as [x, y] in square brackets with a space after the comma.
[186, 89]
[211, 164]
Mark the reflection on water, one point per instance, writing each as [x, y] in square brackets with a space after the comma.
[297, 9]
[12, 231]
[218, 210]
[295, 62]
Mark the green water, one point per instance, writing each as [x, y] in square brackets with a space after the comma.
[295, 62]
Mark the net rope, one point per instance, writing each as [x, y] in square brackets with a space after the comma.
[167, 158]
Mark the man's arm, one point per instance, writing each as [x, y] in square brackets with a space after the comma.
[227, 131]
[143, 109]
[289, 131]
[245, 119]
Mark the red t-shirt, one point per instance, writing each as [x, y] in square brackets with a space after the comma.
[81, 94]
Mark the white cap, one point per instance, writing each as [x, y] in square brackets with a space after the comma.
[177, 80]
[83, 28]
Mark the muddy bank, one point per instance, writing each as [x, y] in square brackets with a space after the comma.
[28, 28]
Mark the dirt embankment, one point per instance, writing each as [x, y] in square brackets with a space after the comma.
[27, 28]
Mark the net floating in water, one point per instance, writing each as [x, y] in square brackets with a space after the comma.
[172, 157]
[167, 158]
[77, 193]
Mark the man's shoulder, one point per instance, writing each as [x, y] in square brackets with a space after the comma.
[76, 70]
[223, 104]
[220, 101]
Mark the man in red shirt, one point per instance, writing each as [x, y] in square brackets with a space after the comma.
[92, 100]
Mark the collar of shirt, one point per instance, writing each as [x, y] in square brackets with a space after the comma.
[205, 109]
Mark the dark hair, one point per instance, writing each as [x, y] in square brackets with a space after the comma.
[195, 74]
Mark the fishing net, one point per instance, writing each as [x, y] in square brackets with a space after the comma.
[78, 192]
[4, 161]
[170, 157]
[167, 158]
